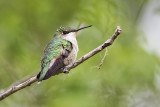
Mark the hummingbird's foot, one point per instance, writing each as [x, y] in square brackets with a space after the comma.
[65, 71]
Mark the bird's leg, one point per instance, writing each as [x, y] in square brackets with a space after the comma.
[65, 70]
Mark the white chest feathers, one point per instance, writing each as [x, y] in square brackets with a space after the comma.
[71, 37]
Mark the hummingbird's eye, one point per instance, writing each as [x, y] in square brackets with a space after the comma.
[65, 32]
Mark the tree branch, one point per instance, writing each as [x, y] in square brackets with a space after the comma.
[21, 85]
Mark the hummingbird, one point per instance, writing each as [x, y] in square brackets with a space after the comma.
[60, 51]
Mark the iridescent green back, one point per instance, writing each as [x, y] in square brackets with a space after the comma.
[52, 50]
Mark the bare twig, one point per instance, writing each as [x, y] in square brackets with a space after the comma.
[21, 85]
[103, 59]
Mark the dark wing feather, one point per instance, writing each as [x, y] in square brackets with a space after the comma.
[57, 49]
[58, 64]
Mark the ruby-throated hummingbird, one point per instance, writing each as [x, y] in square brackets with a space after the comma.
[60, 51]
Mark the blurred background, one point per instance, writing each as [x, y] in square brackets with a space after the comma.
[129, 76]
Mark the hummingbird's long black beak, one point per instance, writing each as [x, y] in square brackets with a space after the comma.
[76, 30]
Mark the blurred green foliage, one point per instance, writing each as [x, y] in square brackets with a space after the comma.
[126, 78]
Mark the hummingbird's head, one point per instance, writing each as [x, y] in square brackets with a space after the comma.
[64, 30]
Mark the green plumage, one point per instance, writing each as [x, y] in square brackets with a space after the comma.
[60, 51]
[53, 50]
[61, 29]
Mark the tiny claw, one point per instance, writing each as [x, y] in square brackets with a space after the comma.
[66, 71]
